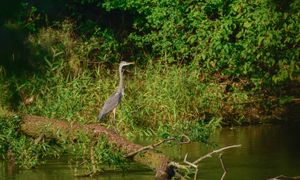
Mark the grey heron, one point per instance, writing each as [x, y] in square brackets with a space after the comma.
[112, 102]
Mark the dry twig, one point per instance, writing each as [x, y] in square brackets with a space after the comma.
[93, 160]
[214, 152]
[37, 140]
[194, 164]
[151, 146]
[281, 177]
[187, 139]
[223, 167]
[189, 163]
[178, 166]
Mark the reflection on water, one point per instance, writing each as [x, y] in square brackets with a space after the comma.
[267, 151]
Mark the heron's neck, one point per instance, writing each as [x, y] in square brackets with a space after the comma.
[121, 82]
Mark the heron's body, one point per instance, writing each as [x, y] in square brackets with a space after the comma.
[112, 102]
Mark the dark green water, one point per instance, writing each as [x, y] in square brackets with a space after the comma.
[267, 151]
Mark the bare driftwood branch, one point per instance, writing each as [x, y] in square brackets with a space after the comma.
[194, 164]
[214, 152]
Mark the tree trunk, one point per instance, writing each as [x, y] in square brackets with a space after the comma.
[60, 130]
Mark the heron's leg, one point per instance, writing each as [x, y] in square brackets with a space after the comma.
[114, 123]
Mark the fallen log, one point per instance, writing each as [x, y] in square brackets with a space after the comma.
[36, 126]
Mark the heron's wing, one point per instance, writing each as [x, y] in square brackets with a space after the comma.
[111, 103]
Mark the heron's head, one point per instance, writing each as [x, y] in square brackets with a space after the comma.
[124, 63]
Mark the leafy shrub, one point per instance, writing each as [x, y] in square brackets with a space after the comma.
[258, 39]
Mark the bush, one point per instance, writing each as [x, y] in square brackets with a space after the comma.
[257, 40]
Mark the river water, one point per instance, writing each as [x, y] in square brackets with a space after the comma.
[267, 151]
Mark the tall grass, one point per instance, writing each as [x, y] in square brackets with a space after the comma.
[155, 96]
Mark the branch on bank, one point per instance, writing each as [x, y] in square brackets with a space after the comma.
[40, 127]
[37, 127]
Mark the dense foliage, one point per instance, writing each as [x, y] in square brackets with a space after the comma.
[254, 39]
[257, 40]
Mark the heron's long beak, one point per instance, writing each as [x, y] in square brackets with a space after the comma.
[130, 63]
